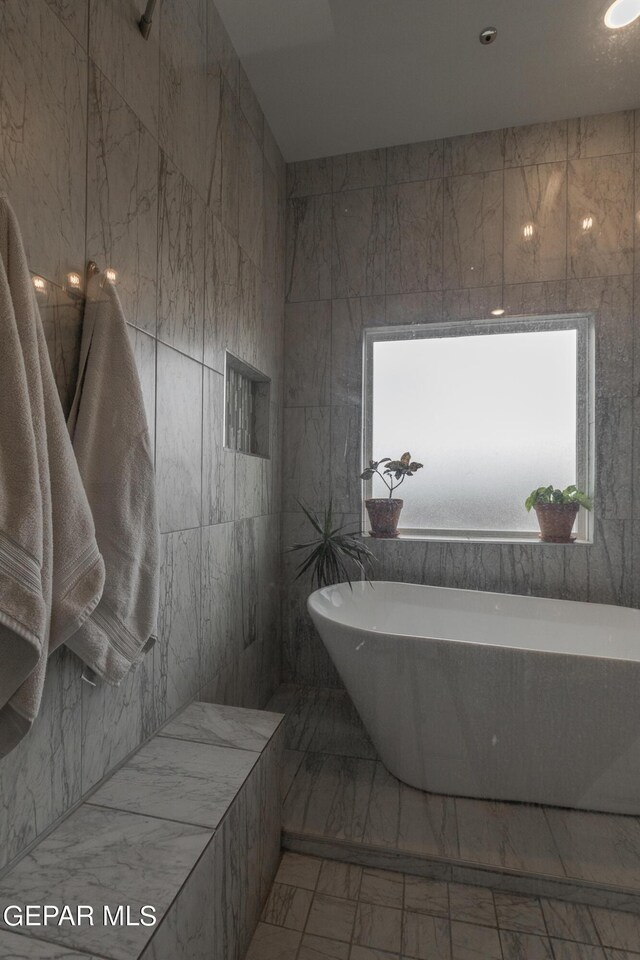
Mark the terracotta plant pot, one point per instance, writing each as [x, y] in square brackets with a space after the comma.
[383, 516]
[556, 521]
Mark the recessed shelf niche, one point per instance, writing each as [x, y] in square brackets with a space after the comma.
[247, 397]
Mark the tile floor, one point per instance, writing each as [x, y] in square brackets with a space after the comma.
[337, 792]
[325, 910]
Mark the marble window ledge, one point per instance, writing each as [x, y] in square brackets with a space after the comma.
[476, 538]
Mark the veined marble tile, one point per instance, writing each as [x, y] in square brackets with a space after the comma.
[378, 927]
[601, 135]
[44, 104]
[287, 906]
[218, 463]
[535, 143]
[115, 720]
[603, 849]
[122, 200]
[15, 947]
[247, 586]
[273, 229]
[99, 856]
[181, 233]
[332, 915]
[224, 726]
[62, 322]
[46, 765]
[178, 780]
[532, 568]
[307, 433]
[475, 303]
[250, 107]
[600, 214]
[353, 171]
[402, 818]
[329, 797]
[514, 836]
[177, 654]
[426, 937]
[308, 177]
[75, 16]
[414, 236]
[471, 904]
[529, 299]
[346, 442]
[349, 318]
[610, 299]
[187, 929]
[250, 193]
[469, 941]
[220, 48]
[250, 311]
[473, 211]
[299, 871]
[274, 943]
[426, 896]
[340, 879]
[222, 193]
[302, 708]
[617, 929]
[384, 887]
[519, 913]
[221, 633]
[249, 494]
[614, 457]
[565, 950]
[144, 350]
[601, 573]
[221, 293]
[321, 948]
[471, 566]
[535, 199]
[309, 234]
[570, 921]
[185, 89]
[516, 946]
[132, 67]
[338, 729]
[401, 308]
[474, 153]
[178, 440]
[358, 267]
[307, 351]
[415, 161]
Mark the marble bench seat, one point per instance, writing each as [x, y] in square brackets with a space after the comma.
[190, 825]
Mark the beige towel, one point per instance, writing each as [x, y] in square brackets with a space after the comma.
[110, 437]
[51, 573]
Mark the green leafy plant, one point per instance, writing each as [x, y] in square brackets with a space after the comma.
[332, 552]
[396, 470]
[553, 495]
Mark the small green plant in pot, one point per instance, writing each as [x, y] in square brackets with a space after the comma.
[384, 512]
[334, 554]
[557, 510]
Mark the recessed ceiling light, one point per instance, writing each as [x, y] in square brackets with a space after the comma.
[499, 312]
[488, 36]
[621, 13]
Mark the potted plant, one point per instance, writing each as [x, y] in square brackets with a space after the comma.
[334, 553]
[557, 511]
[384, 512]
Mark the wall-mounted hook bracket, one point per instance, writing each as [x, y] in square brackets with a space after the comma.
[145, 21]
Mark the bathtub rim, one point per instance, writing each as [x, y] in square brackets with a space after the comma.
[313, 607]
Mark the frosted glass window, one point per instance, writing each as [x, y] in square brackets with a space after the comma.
[490, 414]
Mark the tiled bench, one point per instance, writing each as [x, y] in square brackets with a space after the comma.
[190, 824]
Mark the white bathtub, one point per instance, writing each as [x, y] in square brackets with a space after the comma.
[492, 695]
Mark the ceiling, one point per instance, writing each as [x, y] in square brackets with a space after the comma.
[336, 76]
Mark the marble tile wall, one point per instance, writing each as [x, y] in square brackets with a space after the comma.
[433, 231]
[154, 158]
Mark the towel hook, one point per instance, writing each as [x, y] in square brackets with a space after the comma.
[145, 20]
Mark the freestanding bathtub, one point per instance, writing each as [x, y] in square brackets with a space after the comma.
[492, 695]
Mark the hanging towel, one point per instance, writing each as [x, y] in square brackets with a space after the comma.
[51, 572]
[110, 437]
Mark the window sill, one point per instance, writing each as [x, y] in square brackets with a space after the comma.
[499, 539]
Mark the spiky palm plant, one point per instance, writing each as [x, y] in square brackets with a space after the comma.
[332, 551]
